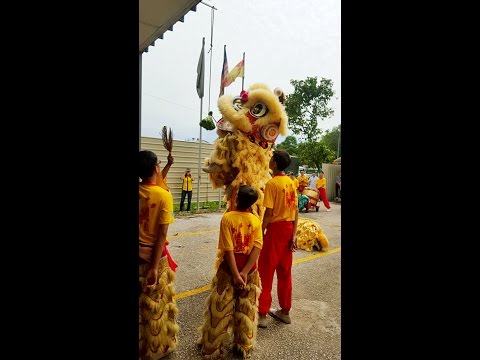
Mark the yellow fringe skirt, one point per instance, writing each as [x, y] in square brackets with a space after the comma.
[158, 327]
[230, 312]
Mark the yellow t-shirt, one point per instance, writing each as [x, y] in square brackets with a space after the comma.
[187, 183]
[162, 182]
[155, 207]
[321, 183]
[295, 183]
[303, 180]
[281, 196]
[240, 231]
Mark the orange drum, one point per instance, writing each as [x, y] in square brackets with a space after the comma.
[312, 193]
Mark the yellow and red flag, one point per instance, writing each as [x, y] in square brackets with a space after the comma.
[237, 71]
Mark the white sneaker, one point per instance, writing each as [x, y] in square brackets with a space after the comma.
[262, 322]
[277, 314]
[329, 210]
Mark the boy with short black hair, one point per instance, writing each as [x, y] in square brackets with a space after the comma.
[233, 299]
[157, 308]
[279, 241]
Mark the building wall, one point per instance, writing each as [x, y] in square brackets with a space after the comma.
[185, 155]
[330, 172]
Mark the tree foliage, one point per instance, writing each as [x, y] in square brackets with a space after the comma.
[331, 139]
[307, 104]
[313, 153]
[289, 145]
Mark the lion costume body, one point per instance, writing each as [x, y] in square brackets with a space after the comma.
[310, 235]
[249, 126]
[247, 131]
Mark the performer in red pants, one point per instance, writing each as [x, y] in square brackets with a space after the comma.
[322, 188]
[280, 222]
[278, 256]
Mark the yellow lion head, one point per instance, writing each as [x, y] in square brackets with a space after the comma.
[258, 113]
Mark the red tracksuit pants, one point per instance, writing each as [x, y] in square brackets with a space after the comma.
[323, 197]
[276, 255]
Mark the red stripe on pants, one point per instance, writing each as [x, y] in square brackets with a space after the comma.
[323, 196]
[276, 255]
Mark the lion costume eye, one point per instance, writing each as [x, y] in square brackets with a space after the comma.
[237, 103]
[259, 109]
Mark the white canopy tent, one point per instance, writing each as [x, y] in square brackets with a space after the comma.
[156, 17]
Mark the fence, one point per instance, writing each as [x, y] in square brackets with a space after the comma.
[185, 154]
[330, 172]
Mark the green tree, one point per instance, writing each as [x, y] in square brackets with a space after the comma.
[289, 144]
[313, 153]
[307, 104]
[331, 139]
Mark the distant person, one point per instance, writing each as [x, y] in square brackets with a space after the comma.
[237, 282]
[302, 199]
[187, 188]
[312, 180]
[291, 175]
[321, 186]
[157, 307]
[338, 186]
[302, 181]
[279, 227]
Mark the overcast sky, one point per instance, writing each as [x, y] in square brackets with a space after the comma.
[282, 40]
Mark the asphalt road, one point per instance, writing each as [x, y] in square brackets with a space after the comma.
[315, 329]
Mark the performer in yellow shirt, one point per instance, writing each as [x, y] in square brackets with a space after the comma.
[302, 199]
[157, 308]
[302, 181]
[280, 240]
[291, 175]
[321, 186]
[236, 285]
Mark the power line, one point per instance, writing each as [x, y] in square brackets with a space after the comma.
[171, 102]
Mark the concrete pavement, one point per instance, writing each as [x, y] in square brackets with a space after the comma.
[315, 329]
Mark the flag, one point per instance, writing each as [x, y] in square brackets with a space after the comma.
[201, 71]
[224, 70]
[237, 71]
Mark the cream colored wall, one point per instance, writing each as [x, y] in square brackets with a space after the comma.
[185, 154]
[330, 172]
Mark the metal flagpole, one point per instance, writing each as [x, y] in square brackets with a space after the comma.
[210, 51]
[209, 91]
[209, 88]
[199, 158]
[200, 89]
[243, 77]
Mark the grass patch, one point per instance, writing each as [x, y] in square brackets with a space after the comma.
[205, 207]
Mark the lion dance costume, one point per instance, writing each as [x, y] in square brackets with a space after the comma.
[158, 327]
[229, 309]
[310, 235]
[249, 126]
